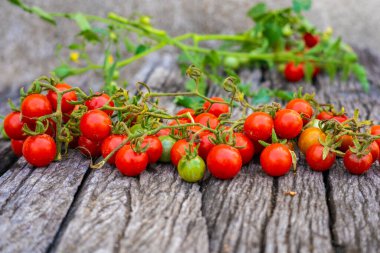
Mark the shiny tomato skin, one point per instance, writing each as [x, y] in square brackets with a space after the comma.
[258, 126]
[163, 132]
[205, 145]
[89, 147]
[356, 165]
[17, 146]
[302, 107]
[99, 101]
[248, 149]
[258, 148]
[167, 145]
[375, 130]
[311, 40]
[191, 170]
[276, 160]
[340, 118]
[375, 151]
[314, 158]
[111, 143]
[294, 73]
[13, 126]
[309, 137]
[287, 124]
[224, 162]
[66, 107]
[216, 108]
[130, 163]
[34, 106]
[155, 148]
[325, 115]
[184, 111]
[95, 125]
[39, 150]
[179, 150]
[347, 142]
[205, 118]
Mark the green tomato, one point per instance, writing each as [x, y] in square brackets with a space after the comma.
[145, 20]
[167, 144]
[116, 75]
[191, 170]
[231, 62]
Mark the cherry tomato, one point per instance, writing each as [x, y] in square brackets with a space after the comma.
[216, 108]
[247, 150]
[310, 40]
[340, 118]
[95, 125]
[375, 130]
[110, 144]
[184, 111]
[309, 137]
[17, 146]
[155, 148]
[205, 145]
[375, 150]
[179, 150]
[287, 124]
[34, 106]
[258, 148]
[258, 126]
[66, 107]
[163, 132]
[293, 73]
[302, 107]
[207, 118]
[167, 144]
[276, 160]
[98, 102]
[39, 150]
[347, 142]
[89, 147]
[224, 162]
[191, 170]
[13, 126]
[357, 165]
[325, 115]
[314, 157]
[130, 163]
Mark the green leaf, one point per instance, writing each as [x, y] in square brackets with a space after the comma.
[62, 71]
[141, 48]
[361, 75]
[257, 11]
[189, 102]
[283, 95]
[43, 14]
[129, 46]
[90, 35]
[261, 97]
[301, 5]
[81, 21]
[309, 69]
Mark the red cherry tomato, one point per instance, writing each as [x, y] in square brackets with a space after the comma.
[179, 150]
[258, 126]
[325, 115]
[130, 163]
[17, 146]
[98, 102]
[357, 165]
[155, 148]
[340, 118]
[34, 106]
[66, 107]
[110, 144]
[302, 107]
[39, 150]
[184, 111]
[375, 130]
[375, 150]
[247, 150]
[13, 126]
[310, 40]
[314, 157]
[276, 160]
[347, 142]
[205, 145]
[207, 118]
[224, 162]
[89, 147]
[293, 73]
[163, 132]
[258, 148]
[216, 108]
[309, 137]
[95, 125]
[287, 124]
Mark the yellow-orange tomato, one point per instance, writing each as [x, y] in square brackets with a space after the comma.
[309, 137]
[347, 142]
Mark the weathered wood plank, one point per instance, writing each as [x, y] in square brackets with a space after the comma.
[6, 155]
[35, 201]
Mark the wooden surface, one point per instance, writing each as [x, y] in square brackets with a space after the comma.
[67, 207]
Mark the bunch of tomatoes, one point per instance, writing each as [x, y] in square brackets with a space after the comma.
[132, 132]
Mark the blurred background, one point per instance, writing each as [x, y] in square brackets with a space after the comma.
[27, 43]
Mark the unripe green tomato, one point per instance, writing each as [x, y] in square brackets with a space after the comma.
[281, 67]
[287, 30]
[116, 75]
[231, 62]
[113, 36]
[167, 144]
[145, 20]
[191, 170]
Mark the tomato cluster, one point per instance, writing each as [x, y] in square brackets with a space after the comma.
[132, 133]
